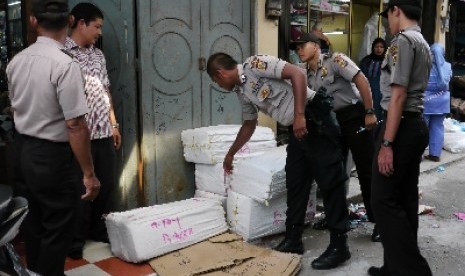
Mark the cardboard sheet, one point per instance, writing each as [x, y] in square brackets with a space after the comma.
[226, 255]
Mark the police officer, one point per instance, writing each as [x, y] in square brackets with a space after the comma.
[401, 142]
[47, 98]
[353, 106]
[312, 153]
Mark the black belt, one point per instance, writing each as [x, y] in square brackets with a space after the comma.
[407, 114]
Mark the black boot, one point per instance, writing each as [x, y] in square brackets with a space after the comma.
[290, 246]
[375, 236]
[292, 243]
[336, 253]
[377, 271]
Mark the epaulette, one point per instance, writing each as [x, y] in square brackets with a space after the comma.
[68, 53]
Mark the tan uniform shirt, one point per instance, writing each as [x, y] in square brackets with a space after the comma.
[264, 89]
[402, 67]
[45, 88]
[336, 73]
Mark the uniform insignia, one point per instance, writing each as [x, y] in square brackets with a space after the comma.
[340, 61]
[256, 63]
[393, 51]
[324, 72]
[264, 93]
[68, 53]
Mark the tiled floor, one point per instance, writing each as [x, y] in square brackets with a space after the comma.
[98, 261]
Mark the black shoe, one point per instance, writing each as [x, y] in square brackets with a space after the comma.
[290, 246]
[377, 271]
[375, 236]
[332, 257]
[75, 253]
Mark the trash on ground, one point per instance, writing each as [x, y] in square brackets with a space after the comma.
[424, 209]
[440, 169]
[460, 216]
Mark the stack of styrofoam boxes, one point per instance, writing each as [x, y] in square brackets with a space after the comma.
[144, 233]
[207, 147]
[256, 205]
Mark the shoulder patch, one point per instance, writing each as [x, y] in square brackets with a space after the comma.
[393, 51]
[339, 59]
[259, 64]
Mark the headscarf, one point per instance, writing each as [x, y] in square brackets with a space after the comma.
[376, 41]
[438, 64]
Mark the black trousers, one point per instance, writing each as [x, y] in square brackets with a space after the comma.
[395, 199]
[361, 145]
[90, 222]
[46, 175]
[315, 158]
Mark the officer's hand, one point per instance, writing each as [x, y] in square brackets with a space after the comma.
[299, 126]
[385, 161]
[92, 185]
[370, 121]
[227, 164]
[116, 138]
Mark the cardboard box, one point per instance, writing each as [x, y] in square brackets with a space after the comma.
[226, 254]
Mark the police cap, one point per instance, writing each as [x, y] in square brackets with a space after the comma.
[415, 4]
[304, 38]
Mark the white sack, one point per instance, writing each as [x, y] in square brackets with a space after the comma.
[252, 219]
[205, 194]
[209, 145]
[454, 142]
[144, 233]
[210, 178]
[261, 177]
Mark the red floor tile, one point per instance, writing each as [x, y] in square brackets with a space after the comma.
[115, 266]
[70, 263]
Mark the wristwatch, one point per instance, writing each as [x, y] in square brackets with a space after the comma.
[386, 143]
[116, 125]
[369, 111]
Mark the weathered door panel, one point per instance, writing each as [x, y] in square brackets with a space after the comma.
[225, 28]
[118, 42]
[175, 36]
[171, 94]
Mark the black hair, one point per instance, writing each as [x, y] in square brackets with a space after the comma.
[411, 12]
[220, 60]
[52, 15]
[376, 41]
[87, 12]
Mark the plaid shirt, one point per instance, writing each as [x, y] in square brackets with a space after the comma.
[93, 67]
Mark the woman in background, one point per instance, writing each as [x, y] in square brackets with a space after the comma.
[371, 68]
[437, 101]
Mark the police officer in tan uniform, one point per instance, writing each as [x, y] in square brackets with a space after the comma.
[313, 153]
[353, 106]
[47, 97]
[401, 142]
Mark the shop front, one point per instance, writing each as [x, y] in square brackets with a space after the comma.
[346, 26]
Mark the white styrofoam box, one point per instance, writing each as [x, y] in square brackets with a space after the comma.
[252, 219]
[261, 177]
[144, 233]
[210, 178]
[209, 145]
[205, 194]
